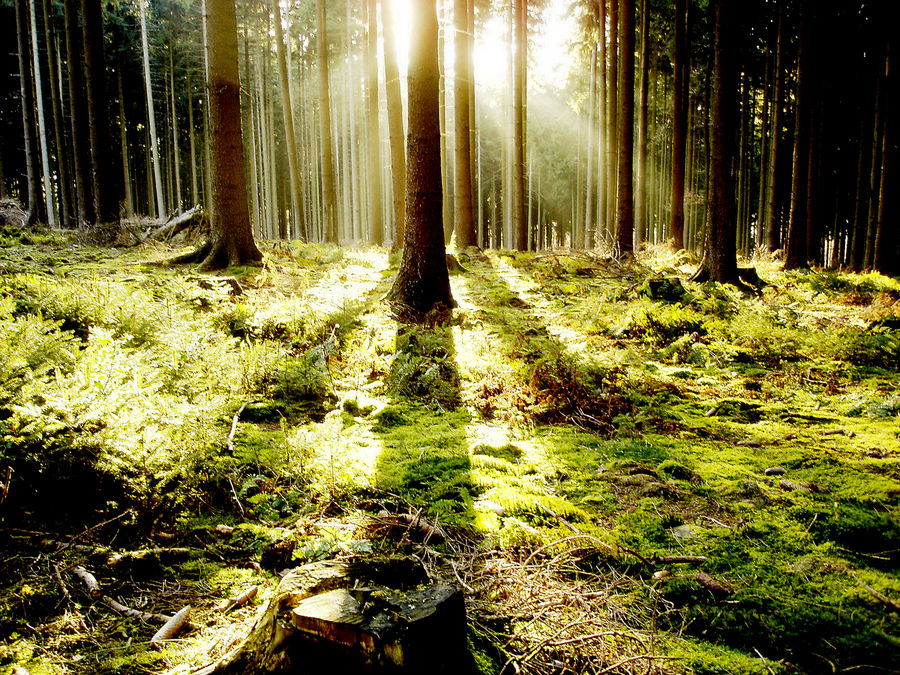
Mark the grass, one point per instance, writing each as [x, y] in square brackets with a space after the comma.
[593, 420]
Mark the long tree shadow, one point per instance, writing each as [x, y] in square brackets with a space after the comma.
[425, 459]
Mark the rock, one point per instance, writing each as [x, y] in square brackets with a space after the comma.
[775, 471]
[793, 487]
[683, 532]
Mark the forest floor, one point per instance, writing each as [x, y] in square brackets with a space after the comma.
[625, 471]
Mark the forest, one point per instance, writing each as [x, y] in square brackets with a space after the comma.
[475, 336]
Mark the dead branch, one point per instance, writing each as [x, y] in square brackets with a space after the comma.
[173, 226]
[229, 442]
[134, 613]
[115, 559]
[881, 597]
[241, 600]
[713, 585]
[171, 628]
[668, 559]
[89, 580]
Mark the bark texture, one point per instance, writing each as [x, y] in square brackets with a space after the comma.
[421, 291]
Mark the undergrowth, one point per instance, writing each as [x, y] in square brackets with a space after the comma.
[726, 462]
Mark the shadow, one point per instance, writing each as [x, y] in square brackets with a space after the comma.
[425, 462]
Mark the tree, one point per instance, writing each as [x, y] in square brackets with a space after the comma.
[288, 118]
[395, 119]
[330, 199]
[796, 254]
[465, 221]
[625, 193]
[32, 180]
[421, 291]
[231, 237]
[720, 251]
[104, 164]
[520, 63]
[679, 122]
[373, 138]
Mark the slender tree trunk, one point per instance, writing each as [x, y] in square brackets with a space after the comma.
[65, 193]
[643, 196]
[625, 194]
[583, 225]
[679, 123]
[421, 290]
[796, 255]
[176, 153]
[773, 217]
[42, 126]
[519, 221]
[327, 155]
[123, 142]
[395, 120]
[32, 180]
[612, 113]
[465, 221]
[151, 115]
[887, 255]
[287, 114]
[373, 125]
[604, 169]
[104, 164]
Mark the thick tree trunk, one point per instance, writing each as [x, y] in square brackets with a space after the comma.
[231, 238]
[464, 213]
[720, 255]
[625, 193]
[421, 291]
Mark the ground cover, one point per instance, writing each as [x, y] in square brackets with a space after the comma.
[625, 471]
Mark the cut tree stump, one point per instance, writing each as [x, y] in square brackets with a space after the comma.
[374, 616]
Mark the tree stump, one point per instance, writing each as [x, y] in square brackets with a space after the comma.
[377, 616]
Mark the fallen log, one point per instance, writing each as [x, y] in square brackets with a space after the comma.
[195, 216]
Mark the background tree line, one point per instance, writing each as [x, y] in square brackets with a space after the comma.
[717, 126]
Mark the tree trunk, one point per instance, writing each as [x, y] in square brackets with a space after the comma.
[287, 115]
[373, 136]
[331, 235]
[625, 193]
[720, 255]
[104, 169]
[421, 291]
[679, 124]
[65, 193]
[612, 112]
[464, 213]
[26, 81]
[231, 237]
[519, 222]
[643, 194]
[887, 256]
[773, 216]
[796, 254]
[151, 116]
[395, 120]
[42, 126]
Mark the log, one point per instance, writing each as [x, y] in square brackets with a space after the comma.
[192, 217]
[171, 627]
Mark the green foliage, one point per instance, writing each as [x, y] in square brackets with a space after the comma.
[423, 367]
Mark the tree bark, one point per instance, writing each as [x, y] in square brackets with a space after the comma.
[773, 203]
[421, 291]
[720, 255]
[519, 221]
[796, 254]
[151, 116]
[625, 193]
[104, 164]
[464, 213]
[331, 234]
[395, 120]
[26, 81]
[643, 193]
[287, 115]
[231, 237]
[42, 126]
[679, 122]
[373, 137]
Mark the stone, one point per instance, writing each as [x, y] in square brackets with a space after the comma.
[775, 471]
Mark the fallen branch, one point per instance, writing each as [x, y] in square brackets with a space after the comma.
[173, 226]
[242, 599]
[89, 580]
[134, 613]
[171, 628]
[115, 559]
[669, 559]
[229, 442]
[881, 597]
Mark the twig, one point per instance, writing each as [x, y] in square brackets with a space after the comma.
[171, 627]
[229, 442]
[559, 518]
[129, 556]
[84, 533]
[242, 599]
[134, 613]
[600, 543]
[668, 559]
[879, 596]
[765, 662]
[639, 657]
[236, 498]
[62, 586]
